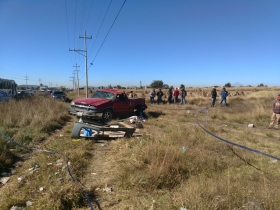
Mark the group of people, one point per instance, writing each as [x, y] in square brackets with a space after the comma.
[223, 94]
[183, 93]
[176, 93]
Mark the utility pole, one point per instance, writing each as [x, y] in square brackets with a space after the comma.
[85, 55]
[72, 80]
[75, 84]
[77, 78]
[26, 78]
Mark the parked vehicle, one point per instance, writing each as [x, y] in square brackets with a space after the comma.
[22, 94]
[4, 97]
[43, 90]
[30, 92]
[58, 95]
[105, 104]
[8, 89]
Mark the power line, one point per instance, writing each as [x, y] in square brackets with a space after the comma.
[100, 26]
[68, 30]
[108, 33]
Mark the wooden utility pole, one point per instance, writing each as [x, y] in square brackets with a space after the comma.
[77, 78]
[85, 55]
[26, 78]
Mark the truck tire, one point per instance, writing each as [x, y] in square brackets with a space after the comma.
[107, 115]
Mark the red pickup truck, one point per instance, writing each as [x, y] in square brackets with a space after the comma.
[105, 104]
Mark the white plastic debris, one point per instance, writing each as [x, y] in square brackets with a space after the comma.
[251, 125]
[4, 180]
[16, 208]
[273, 161]
[114, 126]
[41, 188]
[107, 189]
[28, 203]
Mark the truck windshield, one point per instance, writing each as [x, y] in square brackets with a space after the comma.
[106, 95]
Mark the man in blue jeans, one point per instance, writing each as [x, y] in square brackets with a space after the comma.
[183, 95]
[152, 96]
[224, 95]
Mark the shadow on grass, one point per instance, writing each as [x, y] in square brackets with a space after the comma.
[153, 114]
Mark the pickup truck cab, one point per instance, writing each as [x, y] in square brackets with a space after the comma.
[105, 104]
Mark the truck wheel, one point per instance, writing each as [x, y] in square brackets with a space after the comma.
[107, 115]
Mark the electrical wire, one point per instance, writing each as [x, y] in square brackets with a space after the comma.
[108, 33]
[66, 12]
[100, 26]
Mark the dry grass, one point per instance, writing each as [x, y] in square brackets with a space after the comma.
[153, 171]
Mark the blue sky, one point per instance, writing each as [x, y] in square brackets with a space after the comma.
[197, 43]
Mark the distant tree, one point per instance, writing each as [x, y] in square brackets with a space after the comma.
[182, 86]
[228, 84]
[119, 87]
[171, 87]
[110, 86]
[165, 86]
[261, 85]
[156, 84]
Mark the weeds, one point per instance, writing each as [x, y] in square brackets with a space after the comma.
[173, 164]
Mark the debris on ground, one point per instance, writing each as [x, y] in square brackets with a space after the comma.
[251, 126]
[4, 180]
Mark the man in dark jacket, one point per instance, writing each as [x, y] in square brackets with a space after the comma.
[159, 96]
[224, 95]
[213, 95]
[276, 113]
[183, 95]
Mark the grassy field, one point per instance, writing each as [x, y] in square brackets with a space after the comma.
[174, 164]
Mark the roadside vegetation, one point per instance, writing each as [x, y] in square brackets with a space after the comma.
[174, 164]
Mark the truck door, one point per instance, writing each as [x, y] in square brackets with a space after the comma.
[121, 104]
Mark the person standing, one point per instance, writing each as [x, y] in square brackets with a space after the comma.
[159, 96]
[176, 94]
[224, 95]
[213, 95]
[276, 113]
[170, 94]
[152, 96]
[130, 95]
[183, 95]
